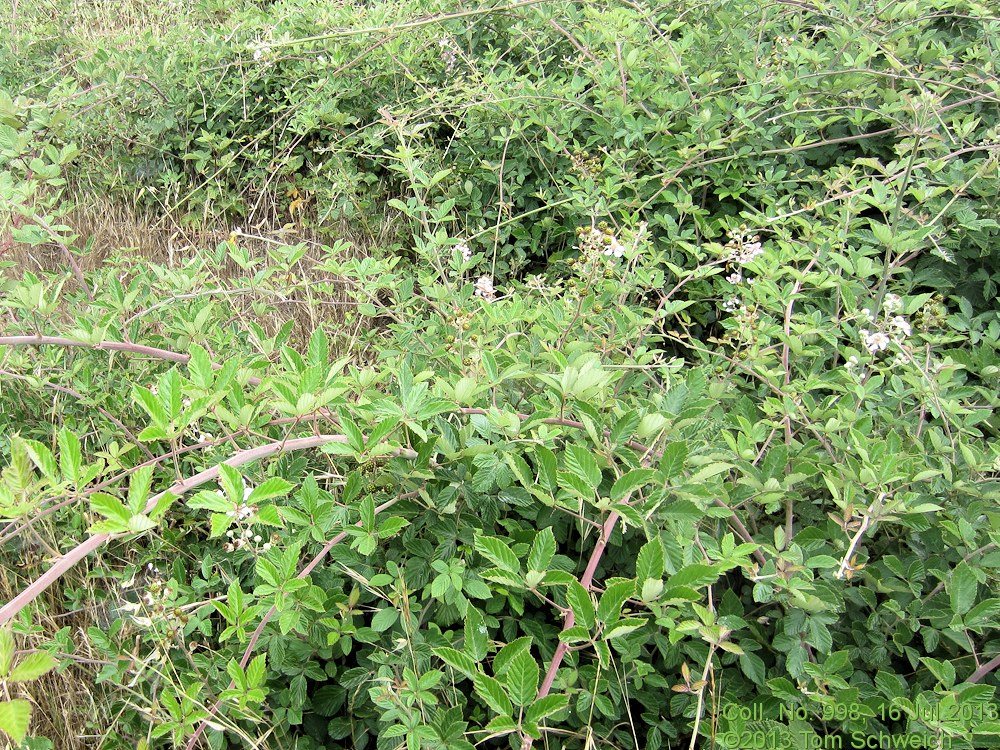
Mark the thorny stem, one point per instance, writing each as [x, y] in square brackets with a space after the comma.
[71, 558]
[110, 346]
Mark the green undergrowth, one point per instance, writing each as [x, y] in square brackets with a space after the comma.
[641, 395]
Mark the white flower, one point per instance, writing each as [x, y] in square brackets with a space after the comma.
[154, 390]
[484, 288]
[876, 342]
[900, 324]
[465, 250]
[851, 363]
[732, 304]
[892, 302]
[614, 248]
[258, 53]
[204, 437]
[186, 403]
[735, 278]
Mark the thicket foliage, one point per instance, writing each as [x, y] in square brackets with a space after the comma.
[663, 381]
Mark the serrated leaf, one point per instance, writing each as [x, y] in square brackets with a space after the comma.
[457, 660]
[609, 607]
[522, 677]
[962, 588]
[392, 525]
[693, 576]
[384, 619]
[983, 613]
[210, 500]
[110, 507]
[200, 367]
[70, 455]
[256, 670]
[497, 552]
[493, 694]
[650, 562]
[138, 489]
[582, 604]
[15, 716]
[630, 482]
[544, 707]
[231, 482]
[505, 655]
[476, 635]
[581, 462]
[42, 457]
[269, 488]
[220, 523]
[6, 650]
[32, 666]
[140, 523]
[543, 549]
[673, 458]
[545, 459]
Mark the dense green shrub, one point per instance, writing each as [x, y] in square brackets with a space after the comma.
[670, 391]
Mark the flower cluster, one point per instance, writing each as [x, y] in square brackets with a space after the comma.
[599, 240]
[881, 333]
[449, 55]
[246, 539]
[465, 250]
[743, 247]
[484, 288]
[156, 602]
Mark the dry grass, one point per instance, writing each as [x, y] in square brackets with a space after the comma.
[68, 707]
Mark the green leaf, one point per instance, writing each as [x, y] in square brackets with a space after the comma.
[630, 482]
[546, 706]
[581, 462]
[457, 660]
[493, 694]
[138, 489]
[962, 587]
[232, 483]
[392, 526]
[983, 614]
[693, 575]
[70, 456]
[582, 604]
[6, 650]
[256, 670]
[151, 405]
[753, 667]
[269, 488]
[110, 507]
[140, 523]
[672, 461]
[210, 500]
[476, 635]
[506, 655]
[42, 457]
[610, 606]
[200, 367]
[384, 619]
[319, 348]
[650, 562]
[547, 468]
[522, 678]
[32, 667]
[543, 549]
[15, 716]
[497, 552]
